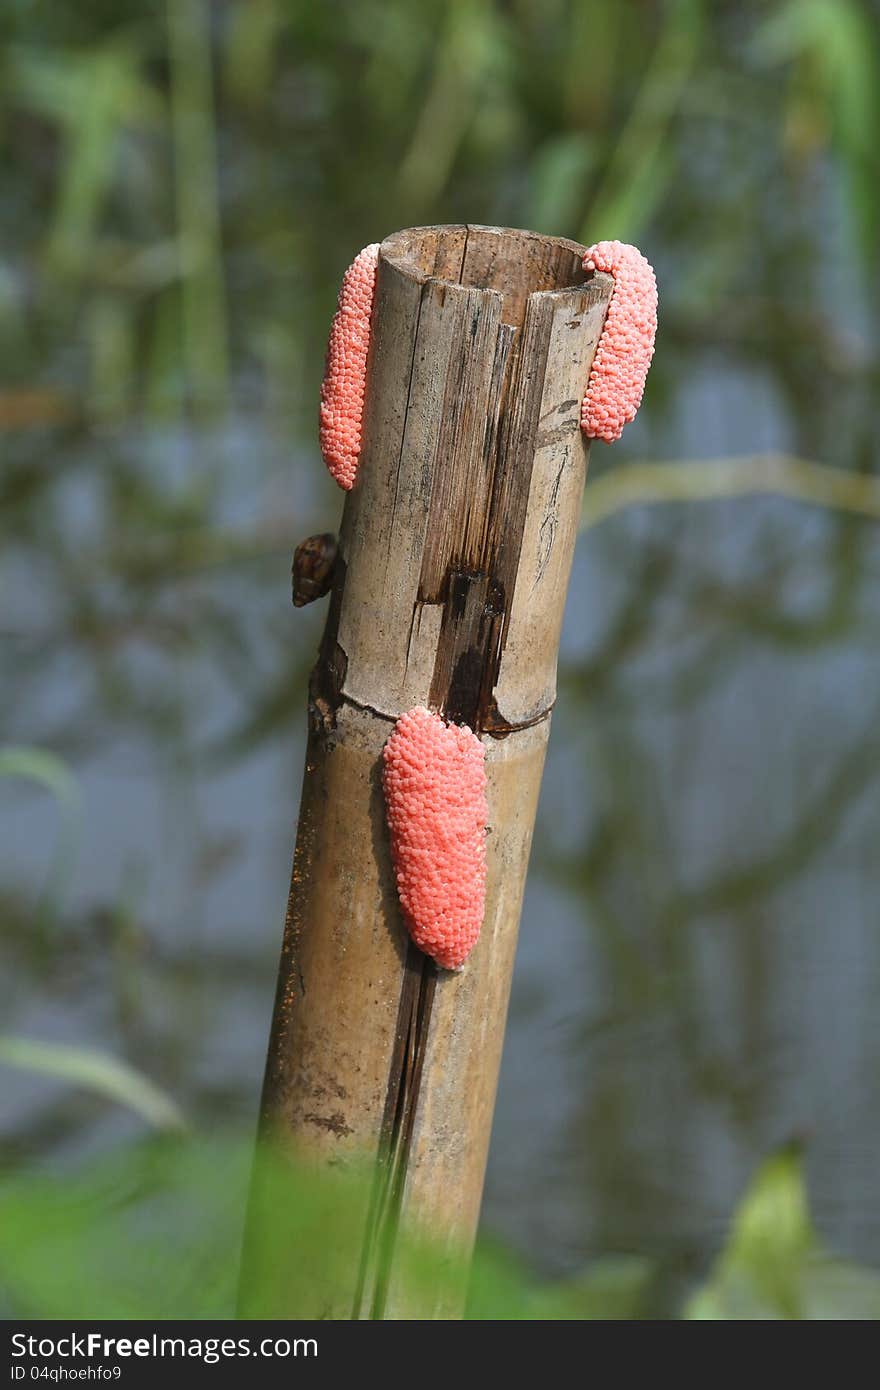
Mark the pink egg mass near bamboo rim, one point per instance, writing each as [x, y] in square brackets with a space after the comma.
[626, 346]
[434, 779]
[344, 388]
[617, 377]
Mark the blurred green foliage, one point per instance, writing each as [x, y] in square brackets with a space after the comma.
[104, 1075]
[183, 182]
[151, 1232]
[774, 1265]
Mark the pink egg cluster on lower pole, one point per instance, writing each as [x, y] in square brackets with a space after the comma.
[434, 778]
[623, 356]
[345, 374]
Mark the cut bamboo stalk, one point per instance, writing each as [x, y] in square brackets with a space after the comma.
[454, 556]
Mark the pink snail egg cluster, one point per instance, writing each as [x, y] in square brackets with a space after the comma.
[345, 373]
[623, 356]
[434, 778]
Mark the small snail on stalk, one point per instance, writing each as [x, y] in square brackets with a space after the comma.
[314, 563]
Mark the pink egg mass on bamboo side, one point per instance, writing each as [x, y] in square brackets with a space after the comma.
[434, 778]
[345, 374]
[623, 356]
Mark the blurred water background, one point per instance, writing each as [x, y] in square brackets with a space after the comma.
[698, 973]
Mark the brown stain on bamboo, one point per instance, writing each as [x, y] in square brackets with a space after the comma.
[453, 562]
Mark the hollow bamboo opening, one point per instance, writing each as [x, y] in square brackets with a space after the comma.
[514, 264]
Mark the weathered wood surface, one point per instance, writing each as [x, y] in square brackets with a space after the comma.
[449, 588]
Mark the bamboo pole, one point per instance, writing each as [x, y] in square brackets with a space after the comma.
[454, 557]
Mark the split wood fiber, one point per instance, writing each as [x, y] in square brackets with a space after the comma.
[454, 557]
